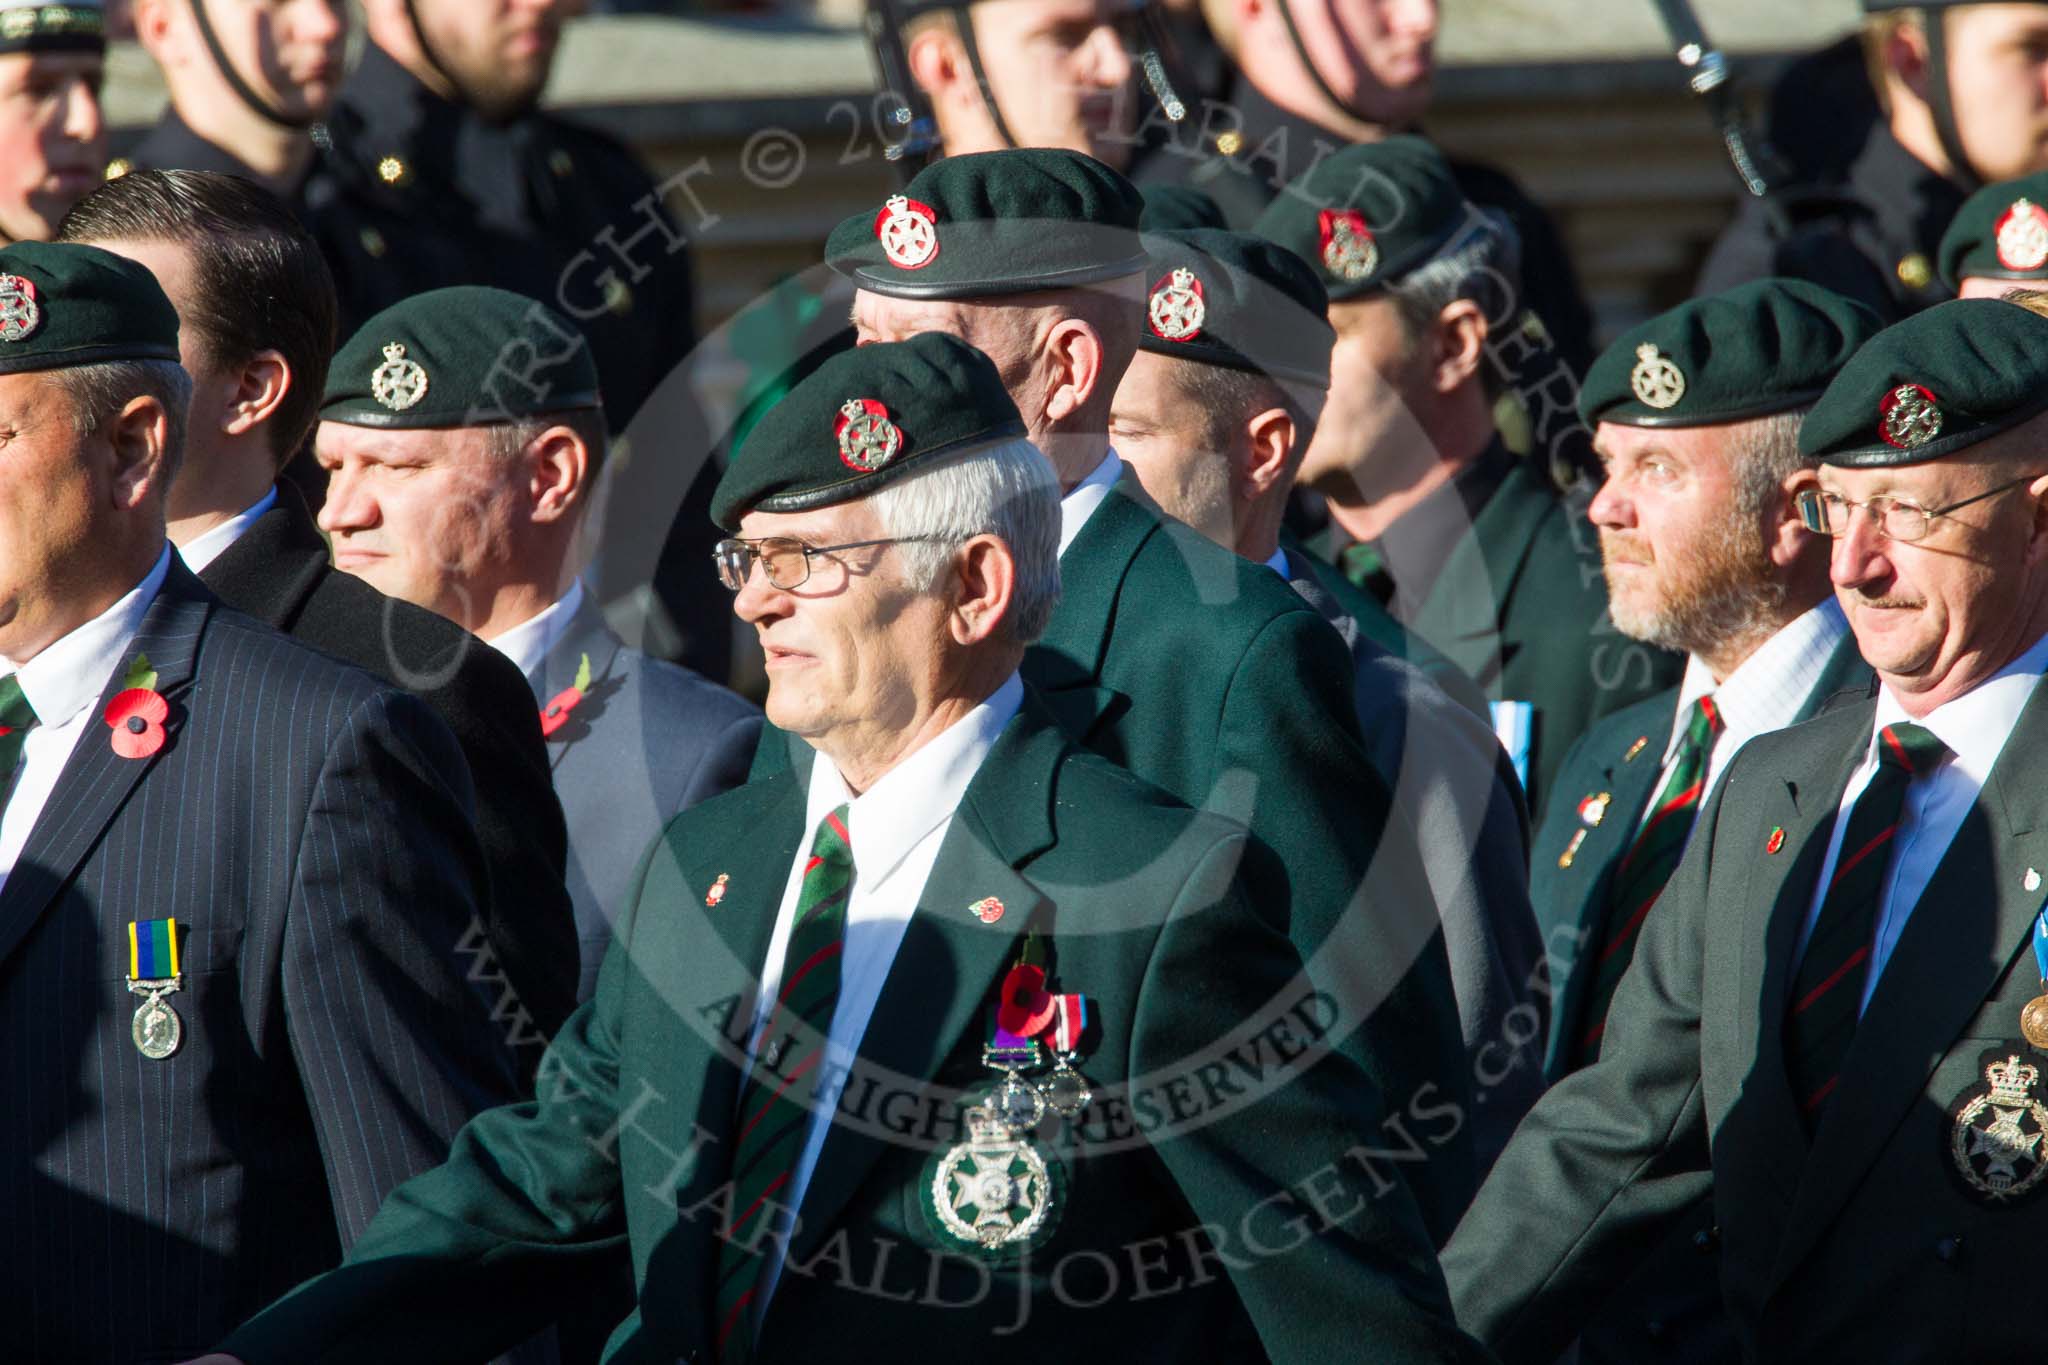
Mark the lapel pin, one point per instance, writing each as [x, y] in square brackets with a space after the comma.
[988, 909]
[1777, 839]
[1642, 742]
[2032, 881]
[717, 891]
[1593, 807]
[1571, 850]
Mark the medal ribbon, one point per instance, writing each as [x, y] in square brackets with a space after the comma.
[2041, 943]
[152, 950]
[1070, 1021]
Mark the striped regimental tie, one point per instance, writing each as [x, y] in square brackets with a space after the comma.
[1651, 860]
[1827, 993]
[775, 1106]
[17, 718]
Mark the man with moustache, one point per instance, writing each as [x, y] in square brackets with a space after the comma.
[1697, 416]
[248, 80]
[1829, 1023]
[950, 874]
[53, 137]
[1202, 673]
[1468, 545]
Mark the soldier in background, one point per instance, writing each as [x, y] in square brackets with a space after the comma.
[53, 139]
[1959, 88]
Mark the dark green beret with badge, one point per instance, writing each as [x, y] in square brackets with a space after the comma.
[2000, 233]
[864, 419]
[1008, 222]
[33, 26]
[63, 305]
[1232, 299]
[1370, 214]
[1763, 347]
[466, 356]
[1938, 383]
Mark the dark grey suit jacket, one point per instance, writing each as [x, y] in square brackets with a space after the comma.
[648, 740]
[1450, 776]
[309, 829]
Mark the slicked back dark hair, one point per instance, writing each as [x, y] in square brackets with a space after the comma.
[259, 281]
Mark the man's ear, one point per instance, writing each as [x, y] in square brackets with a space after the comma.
[985, 576]
[937, 60]
[140, 438]
[1905, 58]
[1267, 457]
[260, 390]
[1458, 343]
[1786, 539]
[1074, 350]
[157, 31]
[2037, 541]
[558, 473]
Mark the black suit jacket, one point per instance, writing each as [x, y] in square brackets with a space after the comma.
[278, 572]
[308, 828]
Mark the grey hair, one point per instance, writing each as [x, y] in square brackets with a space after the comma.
[505, 440]
[99, 392]
[1765, 458]
[1006, 490]
[1483, 264]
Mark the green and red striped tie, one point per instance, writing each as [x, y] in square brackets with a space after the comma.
[17, 718]
[776, 1102]
[1651, 860]
[1827, 992]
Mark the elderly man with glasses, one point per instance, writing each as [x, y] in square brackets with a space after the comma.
[899, 1050]
[1833, 1021]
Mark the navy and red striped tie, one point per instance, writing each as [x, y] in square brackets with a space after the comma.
[775, 1105]
[1827, 992]
[1640, 879]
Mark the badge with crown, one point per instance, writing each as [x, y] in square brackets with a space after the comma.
[1177, 308]
[1995, 1142]
[398, 383]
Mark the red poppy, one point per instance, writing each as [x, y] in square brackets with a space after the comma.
[555, 714]
[137, 717]
[1026, 1007]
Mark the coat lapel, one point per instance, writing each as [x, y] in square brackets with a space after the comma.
[586, 634]
[1065, 666]
[1960, 939]
[272, 569]
[1464, 605]
[96, 781]
[950, 961]
[1631, 771]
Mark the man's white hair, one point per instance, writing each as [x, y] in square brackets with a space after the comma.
[1006, 490]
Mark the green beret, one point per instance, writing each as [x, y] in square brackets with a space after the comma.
[64, 305]
[1939, 382]
[33, 26]
[863, 419]
[995, 223]
[2000, 233]
[1369, 214]
[1232, 299]
[1169, 208]
[1750, 351]
[465, 356]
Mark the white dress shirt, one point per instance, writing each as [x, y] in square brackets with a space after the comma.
[1076, 507]
[1975, 727]
[1763, 694]
[202, 550]
[527, 644]
[62, 683]
[895, 829]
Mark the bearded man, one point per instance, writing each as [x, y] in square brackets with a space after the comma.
[1696, 416]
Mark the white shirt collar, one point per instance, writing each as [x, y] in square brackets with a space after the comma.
[70, 674]
[1769, 687]
[1975, 725]
[202, 550]
[527, 644]
[917, 795]
[1077, 506]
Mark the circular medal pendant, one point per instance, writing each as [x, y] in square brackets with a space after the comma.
[2034, 1021]
[993, 1194]
[1066, 1091]
[1017, 1105]
[157, 1029]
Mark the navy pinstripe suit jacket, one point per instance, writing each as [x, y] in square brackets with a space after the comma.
[309, 828]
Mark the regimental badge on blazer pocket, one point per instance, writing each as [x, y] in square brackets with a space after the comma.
[1998, 1128]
